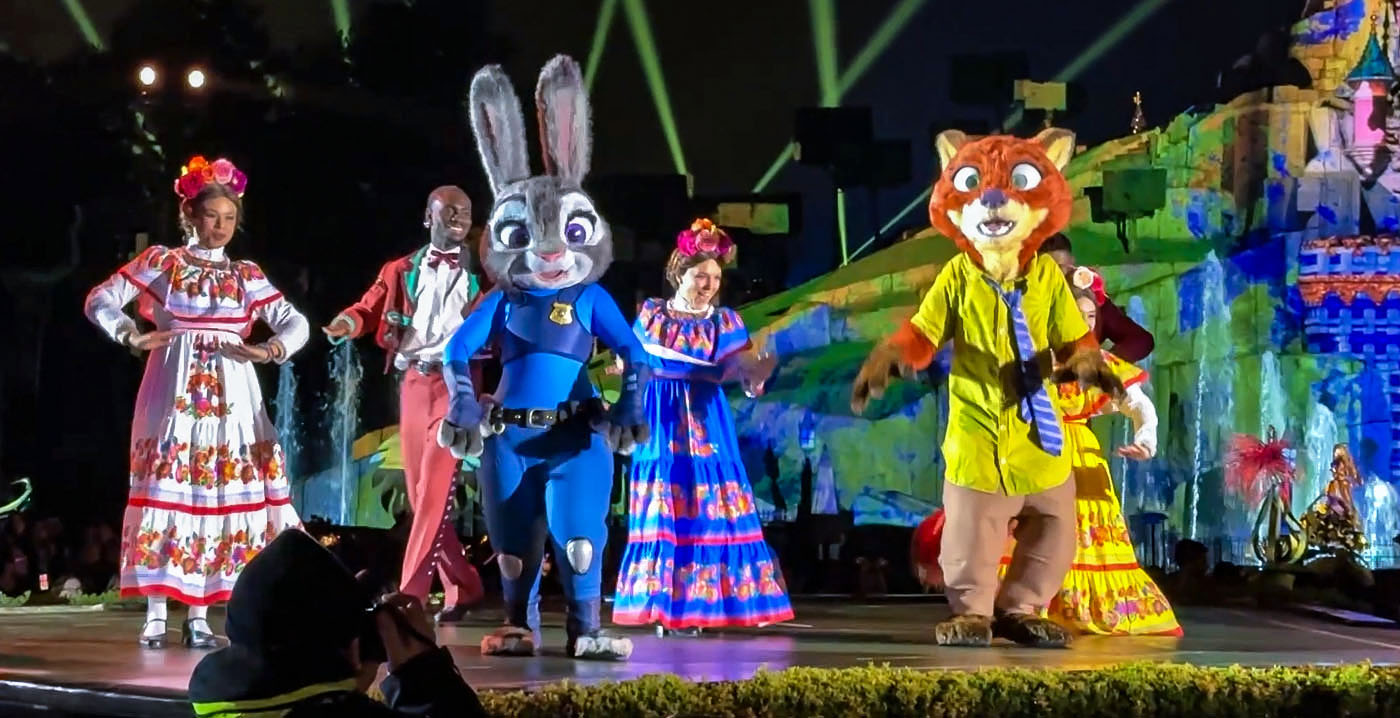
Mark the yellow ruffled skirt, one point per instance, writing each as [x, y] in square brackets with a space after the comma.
[1105, 592]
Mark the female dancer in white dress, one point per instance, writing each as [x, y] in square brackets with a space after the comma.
[208, 483]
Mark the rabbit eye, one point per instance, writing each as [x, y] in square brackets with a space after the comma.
[513, 235]
[579, 230]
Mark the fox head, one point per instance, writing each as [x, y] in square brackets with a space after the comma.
[1000, 197]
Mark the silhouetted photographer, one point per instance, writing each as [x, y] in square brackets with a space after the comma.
[307, 639]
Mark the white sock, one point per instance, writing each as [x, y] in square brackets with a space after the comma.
[155, 616]
[199, 613]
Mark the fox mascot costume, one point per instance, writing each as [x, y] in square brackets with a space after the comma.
[1012, 320]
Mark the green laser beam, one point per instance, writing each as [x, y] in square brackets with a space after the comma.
[777, 166]
[1111, 37]
[340, 10]
[884, 35]
[84, 23]
[600, 38]
[823, 16]
[651, 67]
[1115, 34]
[841, 226]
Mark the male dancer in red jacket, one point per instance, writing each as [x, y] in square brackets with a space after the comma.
[1124, 337]
[412, 309]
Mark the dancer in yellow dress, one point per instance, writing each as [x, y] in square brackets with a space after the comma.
[1106, 591]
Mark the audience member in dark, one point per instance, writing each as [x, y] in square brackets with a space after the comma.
[1128, 341]
[1191, 581]
[306, 641]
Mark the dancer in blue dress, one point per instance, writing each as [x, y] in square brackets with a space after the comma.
[695, 554]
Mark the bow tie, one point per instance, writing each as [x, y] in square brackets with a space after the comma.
[436, 257]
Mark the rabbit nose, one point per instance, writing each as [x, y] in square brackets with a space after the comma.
[550, 256]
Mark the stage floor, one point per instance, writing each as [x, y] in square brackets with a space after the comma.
[43, 657]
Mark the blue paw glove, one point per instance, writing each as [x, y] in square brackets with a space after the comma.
[626, 426]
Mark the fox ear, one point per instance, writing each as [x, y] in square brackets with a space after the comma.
[1058, 145]
[948, 143]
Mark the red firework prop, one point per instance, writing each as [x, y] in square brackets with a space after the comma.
[1252, 466]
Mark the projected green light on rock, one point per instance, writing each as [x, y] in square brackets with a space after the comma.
[651, 67]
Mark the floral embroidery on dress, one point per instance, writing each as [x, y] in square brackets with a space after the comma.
[206, 466]
[193, 277]
[691, 437]
[194, 555]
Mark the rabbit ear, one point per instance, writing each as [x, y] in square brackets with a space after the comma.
[562, 104]
[499, 127]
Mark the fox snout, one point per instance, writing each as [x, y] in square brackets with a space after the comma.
[993, 198]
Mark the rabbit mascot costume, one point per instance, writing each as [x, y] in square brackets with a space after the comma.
[545, 438]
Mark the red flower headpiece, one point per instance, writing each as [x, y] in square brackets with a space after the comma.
[200, 172]
[705, 236]
[1086, 278]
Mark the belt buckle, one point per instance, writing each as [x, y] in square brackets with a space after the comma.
[530, 419]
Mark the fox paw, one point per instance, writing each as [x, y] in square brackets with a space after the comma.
[1032, 631]
[967, 630]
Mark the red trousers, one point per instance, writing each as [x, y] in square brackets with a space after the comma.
[428, 472]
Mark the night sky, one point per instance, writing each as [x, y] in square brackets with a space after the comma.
[736, 69]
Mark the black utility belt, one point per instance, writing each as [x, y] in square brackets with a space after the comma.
[545, 418]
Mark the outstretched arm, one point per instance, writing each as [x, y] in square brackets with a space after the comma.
[609, 325]
[912, 346]
[363, 316]
[1139, 409]
[470, 337]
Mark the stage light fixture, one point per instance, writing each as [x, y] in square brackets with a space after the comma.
[195, 79]
[147, 76]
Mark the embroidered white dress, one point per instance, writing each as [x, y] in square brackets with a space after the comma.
[208, 485]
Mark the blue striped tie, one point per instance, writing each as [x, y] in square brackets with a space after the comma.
[1033, 399]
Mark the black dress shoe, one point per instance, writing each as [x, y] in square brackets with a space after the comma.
[193, 637]
[154, 642]
[453, 614]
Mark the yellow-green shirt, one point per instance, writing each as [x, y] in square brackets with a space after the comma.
[988, 446]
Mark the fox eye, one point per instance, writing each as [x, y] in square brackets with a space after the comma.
[966, 179]
[1025, 176]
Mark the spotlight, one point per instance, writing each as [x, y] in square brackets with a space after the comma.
[195, 79]
[147, 76]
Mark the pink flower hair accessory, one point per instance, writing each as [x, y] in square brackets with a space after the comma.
[199, 172]
[705, 236]
[1086, 278]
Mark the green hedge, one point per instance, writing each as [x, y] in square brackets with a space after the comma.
[1158, 690]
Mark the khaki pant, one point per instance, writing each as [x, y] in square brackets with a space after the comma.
[974, 538]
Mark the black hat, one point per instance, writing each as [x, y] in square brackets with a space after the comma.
[296, 592]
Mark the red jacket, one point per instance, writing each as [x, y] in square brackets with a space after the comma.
[387, 306]
[1131, 343]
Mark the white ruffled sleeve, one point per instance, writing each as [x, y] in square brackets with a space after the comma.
[106, 303]
[1139, 409]
[289, 326]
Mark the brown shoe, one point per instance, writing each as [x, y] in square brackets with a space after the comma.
[1033, 631]
[967, 630]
